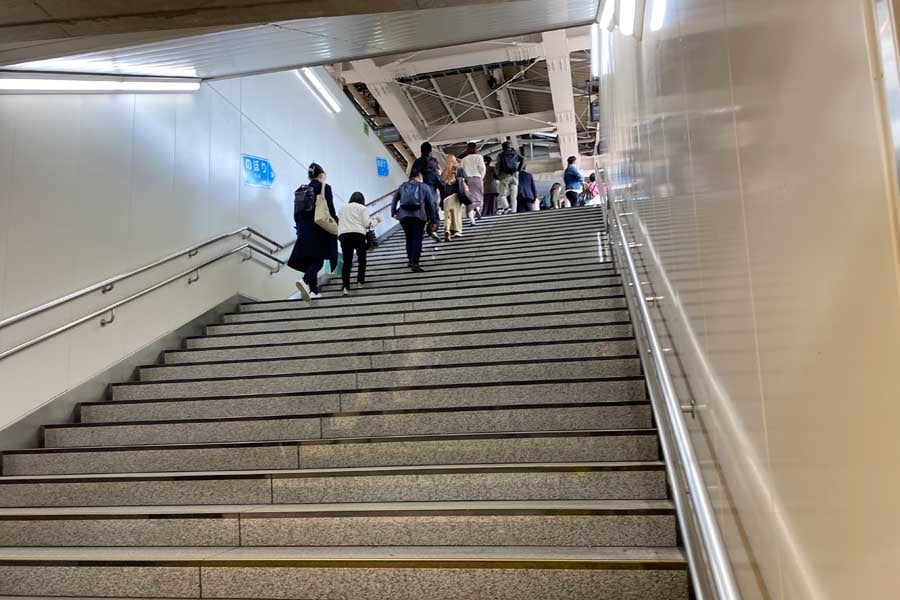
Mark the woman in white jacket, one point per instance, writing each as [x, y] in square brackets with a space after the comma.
[353, 221]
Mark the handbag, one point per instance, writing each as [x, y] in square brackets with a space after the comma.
[371, 239]
[323, 216]
[462, 188]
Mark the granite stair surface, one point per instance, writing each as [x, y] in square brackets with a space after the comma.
[477, 431]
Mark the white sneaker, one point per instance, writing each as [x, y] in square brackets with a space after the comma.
[304, 290]
[314, 295]
[456, 235]
[345, 291]
[472, 221]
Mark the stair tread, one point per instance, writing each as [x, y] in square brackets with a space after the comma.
[336, 440]
[357, 507]
[246, 556]
[362, 471]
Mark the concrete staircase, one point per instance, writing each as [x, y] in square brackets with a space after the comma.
[478, 431]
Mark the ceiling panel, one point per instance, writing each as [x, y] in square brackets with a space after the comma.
[301, 42]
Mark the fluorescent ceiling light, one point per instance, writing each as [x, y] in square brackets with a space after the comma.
[550, 136]
[320, 88]
[81, 84]
[658, 15]
[609, 11]
[595, 50]
[627, 16]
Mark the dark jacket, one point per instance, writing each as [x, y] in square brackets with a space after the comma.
[520, 161]
[427, 210]
[313, 242]
[490, 180]
[527, 190]
[425, 165]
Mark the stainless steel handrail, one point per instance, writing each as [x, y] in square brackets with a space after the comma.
[382, 197]
[107, 285]
[677, 446]
[112, 307]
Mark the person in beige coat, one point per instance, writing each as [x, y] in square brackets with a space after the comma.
[454, 209]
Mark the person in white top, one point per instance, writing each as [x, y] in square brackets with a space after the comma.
[473, 166]
[353, 222]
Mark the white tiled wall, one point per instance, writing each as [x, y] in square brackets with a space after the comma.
[94, 185]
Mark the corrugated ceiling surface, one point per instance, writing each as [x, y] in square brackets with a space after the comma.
[326, 40]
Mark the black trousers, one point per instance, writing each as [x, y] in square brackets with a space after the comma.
[572, 195]
[350, 243]
[415, 230]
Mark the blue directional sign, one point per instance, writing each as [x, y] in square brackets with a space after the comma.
[382, 165]
[258, 171]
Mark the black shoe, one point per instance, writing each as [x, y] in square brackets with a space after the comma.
[417, 269]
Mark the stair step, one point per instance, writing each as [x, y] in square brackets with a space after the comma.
[445, 253]
[559, 289]
[621, 523]
[404, 277]
[537, 279]
[397, 450]
[462, 312]
[523, 301]
[444, 270]
[419, 397]
[461, 355]
[486, 232]
[618, 322]
[534, 417]
[398, 573]
[515, 371]
[519, 245]
[490, 342]
[525, 481]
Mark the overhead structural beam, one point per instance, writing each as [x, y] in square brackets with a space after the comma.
[499, 127]
[443, 97]
[393, 102]
[415, 107]
[461, 57]
[560, 73]
[45, 21]
[474, 86]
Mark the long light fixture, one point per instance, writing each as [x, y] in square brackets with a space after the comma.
[627, 16]
[33, 83]
[595, 50]
[322, 92]
[658, 15]
[609, 11]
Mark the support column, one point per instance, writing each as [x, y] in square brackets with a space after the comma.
[559, 68]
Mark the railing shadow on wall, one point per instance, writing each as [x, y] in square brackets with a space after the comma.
[711, 570]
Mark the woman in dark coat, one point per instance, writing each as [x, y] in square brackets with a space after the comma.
[314, 245]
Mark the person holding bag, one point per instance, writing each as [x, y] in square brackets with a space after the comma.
[353, 236]
[453, 198]
[316, 223]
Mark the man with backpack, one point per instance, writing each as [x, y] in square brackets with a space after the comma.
[414, 206]
[430, 169]
[509, 163]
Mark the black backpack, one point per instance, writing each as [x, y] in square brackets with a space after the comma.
[410, 195]
[304, 201]
[508, 161]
